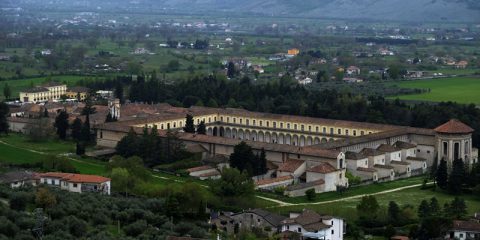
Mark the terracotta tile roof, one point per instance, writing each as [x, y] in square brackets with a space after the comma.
[323, 168]
[35, 90]
[366, 169]
[290, 165]
[305, 185]
[387, 148]
[416, 159]
[354, 156]
[469, 226]
[201, 168]
[309, 220]
[383, 166]
[454, 126]
[404, 145]
[210, 174]
[371, 152]
[273, 180]
[399, 163]
[76, 178]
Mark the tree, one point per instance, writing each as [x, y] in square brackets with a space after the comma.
[424, 210]
[310, 193]
[80, 148]
[4, 110]
[189, 126]
[393, 212]
[243, 158]
[44, 198]
[61, 124]
[128, 145]
[7, 92]
[201, 128]
[76, 129]
[39, 129]
[234, 188]
[121, 180]
[455, 180]
[119, 92]
[18, 201]
[231, 70]
[368, 207]
[262, 163]
[442, 174]
[435, 207]
[456, 209]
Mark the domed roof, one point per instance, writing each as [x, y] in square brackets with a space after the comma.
[454, 126]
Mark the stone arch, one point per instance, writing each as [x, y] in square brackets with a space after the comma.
[288, 139]
[254, 136]
[309, 141]
[281, 138]
[210, 131]
[247, 135]
[275, 138]
[261, 136]
[302, 141]
[268, 137]
[331, 140]
[316, 141]
[234, 133]
[241, 134]
[215, 131]
[228, 133]
[222, 132]
[295, 140]
[324, 140]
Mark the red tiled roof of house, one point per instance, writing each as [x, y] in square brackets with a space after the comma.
[323, 168]
[454, 126]
[290, 165]
[466, 225]
[76, 178]
[272, 180]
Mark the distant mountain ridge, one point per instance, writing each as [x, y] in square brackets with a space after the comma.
[379, 10]
[396, 10]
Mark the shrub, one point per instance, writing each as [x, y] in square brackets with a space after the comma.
[18, 201]
[135, 228]
[310, 193]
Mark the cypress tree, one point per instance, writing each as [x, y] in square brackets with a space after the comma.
[424, 210]
[442, 175]
[4, 110]
[61, 124]
[189, 127]
[455, 180]
[201, 128]
[76, 129]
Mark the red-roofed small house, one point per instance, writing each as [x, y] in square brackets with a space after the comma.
[77, 182]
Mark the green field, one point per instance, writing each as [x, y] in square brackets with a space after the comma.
[460, 89]
[413, 196]
[21, 84]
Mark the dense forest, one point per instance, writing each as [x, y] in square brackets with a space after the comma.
[284, 96]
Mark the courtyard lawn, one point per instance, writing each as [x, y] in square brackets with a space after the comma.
[347, 209]
[458, 89]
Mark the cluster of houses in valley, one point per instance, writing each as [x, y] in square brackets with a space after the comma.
[72, 182]
[306, 224]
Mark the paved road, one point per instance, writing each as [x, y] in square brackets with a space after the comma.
[286, 204]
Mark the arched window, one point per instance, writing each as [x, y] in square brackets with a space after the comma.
[456, 151]
[445, 148]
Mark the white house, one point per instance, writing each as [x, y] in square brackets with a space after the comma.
[312, 225]
[19, 179]
[391, 153]
[77, 182]
[463, 230]
[375, 157]
[330, 175]
[292, 167]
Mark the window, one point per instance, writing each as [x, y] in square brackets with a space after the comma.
[74, 185]
[281, 125]
[309, 128]
[445, 148]
[302, 127]
[331, 131]
[288, 125]
[362, 133]
[253, 122]
[332, 231]
[295, 126]
[268, 124]
[354, 132]
[467, 147]
[324, 130]
[299, 230]
[428, 152]
[316, 129]
[234, 120]
[261, 123]
[346, 132]
[339, 131]
[241, 121]
[228, 119]
[247, 121]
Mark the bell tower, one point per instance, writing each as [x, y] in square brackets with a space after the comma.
[454, 141]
